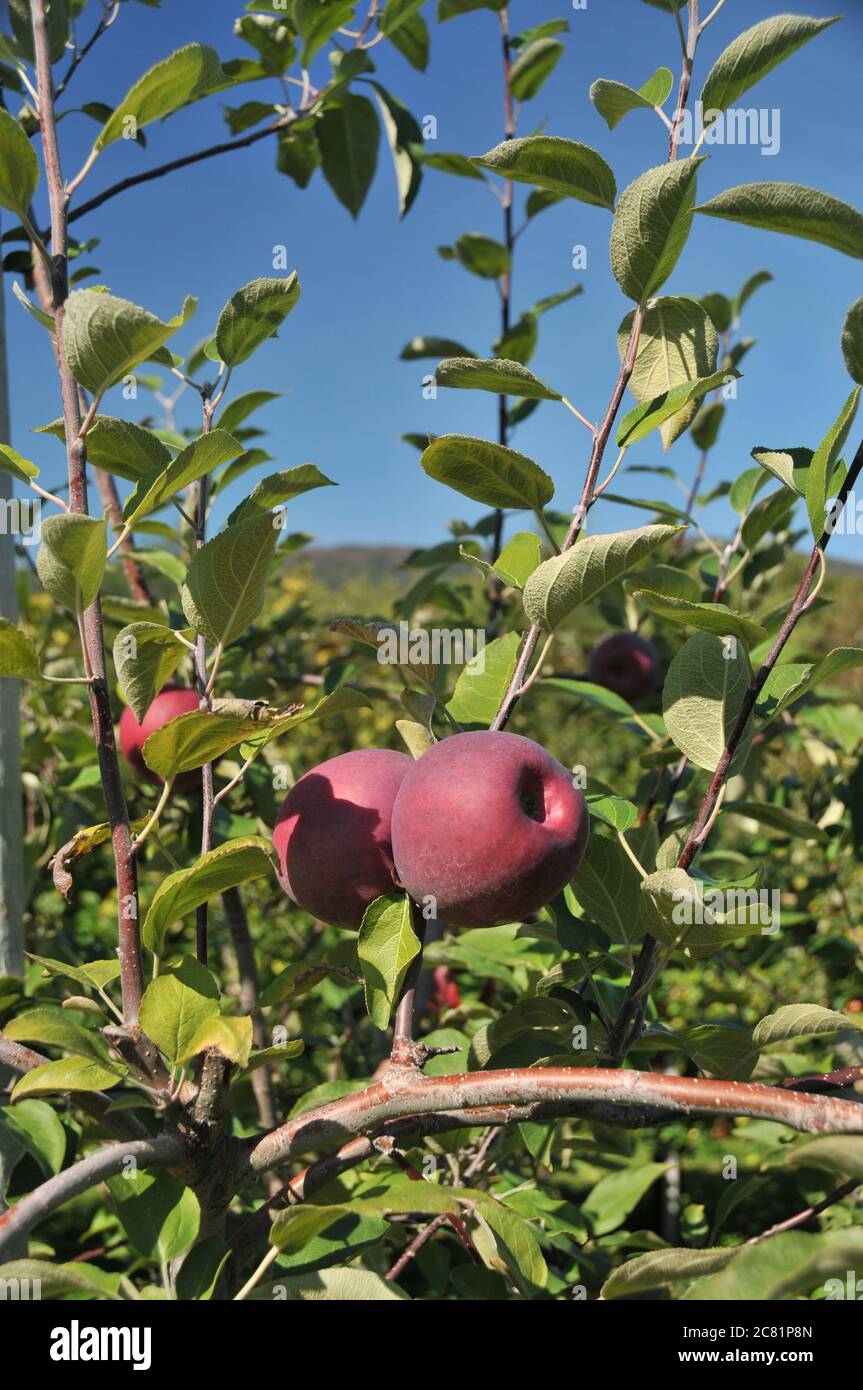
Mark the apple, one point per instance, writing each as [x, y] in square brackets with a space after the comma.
[169, 704]
[488, 825]
[332, 835]
[446, 994]
[626, 664]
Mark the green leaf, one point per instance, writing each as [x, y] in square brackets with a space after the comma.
[557, 165]
[386, 946]
[533, 66]
[46, 320]
[16, 465]
[79, 1280]
[412, 42]
[615, 811]
[790, 466]
[156, 488]
[678, 343]
[488, 473]
[18, 655]
[105, 337]
[794, 209]
[450, 162]
[145, 656]
[96, 974]
[788, 683]
[493, 374]
[224, 589]
[833, 1153]
[483, 682]
[19, 167]
[55, 1027]
[199, 1273]
[71, 559]
[481, 255]
[852, 340]
[708, 617]
[238, 410]
[516, 1244]
[728, 1053]
[518, 559]
[704, 690]
[752, 55]
[187, 75]
[660, 1269]
[820, 475]
[155, 1212]
[613, 100]
[182, 892]
[317, 20]
[172, 1013]
[564, 582]
[651, 226]
[69, 1074]
[790, 1262]
[772, 513]
[615, 1196]
[352, 1284]
[298, 1226]
[794, 1021]
[349, 135]
[405, 140]
[777, 818]
[254, 314]
[36, 1128]
[608, 887]
[436, 348]
[279, 488]
[118, 446]
[645, 418]
[687, 914]
[664, 580]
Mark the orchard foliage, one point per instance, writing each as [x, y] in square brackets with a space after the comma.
[183, 1031]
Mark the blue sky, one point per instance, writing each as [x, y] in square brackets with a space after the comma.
[370, 285]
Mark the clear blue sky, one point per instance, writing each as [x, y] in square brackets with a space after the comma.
[370, 285]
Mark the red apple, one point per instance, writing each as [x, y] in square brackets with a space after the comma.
[446, 993]
[626, 664]
[332, 835]
[490, 826]
[169, 704]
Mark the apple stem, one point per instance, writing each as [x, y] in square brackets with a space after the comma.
[405, 1052]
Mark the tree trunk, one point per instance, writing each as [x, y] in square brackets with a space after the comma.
[11, 822]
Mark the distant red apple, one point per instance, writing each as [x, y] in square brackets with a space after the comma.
[626, 664]
[169, 704]
[332, 835]
[490, 826]
[446, 993]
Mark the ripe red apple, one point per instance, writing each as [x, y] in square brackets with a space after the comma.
[332, 835]
[626, 664]
[169, 704]
[446, 993]
[490, 826]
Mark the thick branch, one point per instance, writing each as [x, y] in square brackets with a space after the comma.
[91, 627]
[402, 1095]
[95, 1168]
